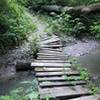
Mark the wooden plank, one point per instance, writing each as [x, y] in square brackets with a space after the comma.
[55, 43]
[50, 40]
[51, 46]
[53, 61]
[65, 83]
[45, 39]
[40, 58]
[52, 57]
[55, 56]
[92, 97]
[50, 54]
[57, 78]
[52, 49]
[64, 92]
[44, 74]
[36, 64]
[45, 69]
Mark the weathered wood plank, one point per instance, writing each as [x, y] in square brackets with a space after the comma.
[51, 50]
[61, 92]
[92, 97]
[36, 64]
[55, 39]
[44, 74]
[50, 54]
[57, 78]
[51, 46]
[55, 43]
[56, 84]
[45, 69]
[53, 61]
[40, 58]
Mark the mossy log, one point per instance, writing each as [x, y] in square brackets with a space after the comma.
[79, 9]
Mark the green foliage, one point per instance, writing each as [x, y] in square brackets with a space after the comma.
[17, 94]
[94, 89]
[23, 93]
[82, 2]
[15, 23]
[95, 29]
[69, 25]
[34, 45]
[85, 75]
[59, 2]
[23, 2]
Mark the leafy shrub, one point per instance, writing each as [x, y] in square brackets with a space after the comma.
[15, 23]
[69, 25]
[23, 2]
[27, 90]
[34, 45]
[82, 2]
[95, 29]
[58, 2]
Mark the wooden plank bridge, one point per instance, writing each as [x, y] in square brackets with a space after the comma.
[53, 70]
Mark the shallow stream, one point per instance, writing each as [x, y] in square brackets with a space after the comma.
[91, 61]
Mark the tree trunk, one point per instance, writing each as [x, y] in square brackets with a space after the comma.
[80, 9]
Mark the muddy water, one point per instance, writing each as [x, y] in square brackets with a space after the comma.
[91, 61]
[7, 86]
[88, 54]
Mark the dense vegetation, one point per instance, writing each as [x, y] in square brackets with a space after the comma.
[15, 23]
[77, 26]
[57, 2]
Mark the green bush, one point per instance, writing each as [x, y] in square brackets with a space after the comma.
[58, 2]
[23, 2]
[68, 25]
[95, 29]
[15, 23]
[18, 94]
[82, 2]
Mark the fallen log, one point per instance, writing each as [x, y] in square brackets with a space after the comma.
[79, 9]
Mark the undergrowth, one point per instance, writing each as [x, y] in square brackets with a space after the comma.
[15, 23]
[85, 75]
[26, 91]
[58, 2]
[67, 24]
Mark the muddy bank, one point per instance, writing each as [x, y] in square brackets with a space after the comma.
[87, 53]
[7, 86]
[9, 60]
[76, 48]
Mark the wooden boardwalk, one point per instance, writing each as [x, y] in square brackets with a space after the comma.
[54, 71]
